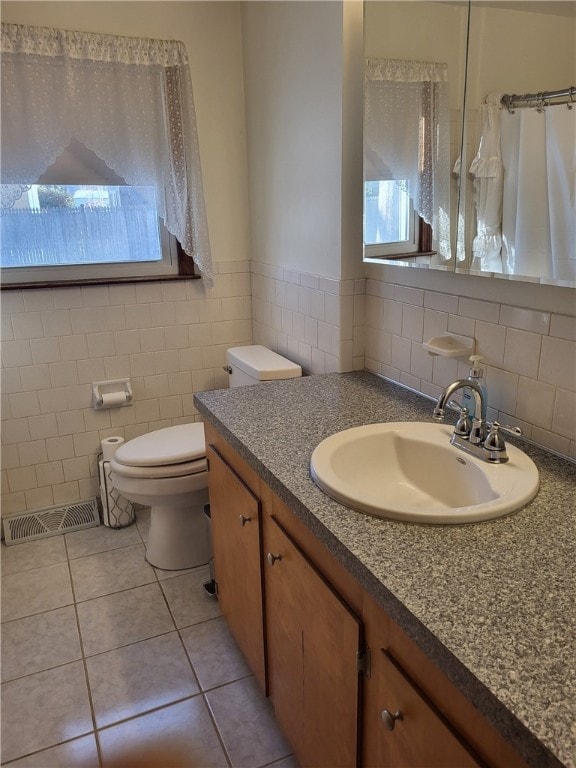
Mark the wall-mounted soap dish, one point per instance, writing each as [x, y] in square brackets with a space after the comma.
[450, 345]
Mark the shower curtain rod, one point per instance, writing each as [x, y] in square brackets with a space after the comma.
[540, 100]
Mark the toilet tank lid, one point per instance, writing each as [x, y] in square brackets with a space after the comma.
[263, 364]
[172, 445]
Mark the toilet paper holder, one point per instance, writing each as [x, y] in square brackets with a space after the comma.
[113, 393]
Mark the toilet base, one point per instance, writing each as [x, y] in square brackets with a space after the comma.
[179, 536]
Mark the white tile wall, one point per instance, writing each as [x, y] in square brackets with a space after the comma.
[530, 356]
[315, 321]
[168, 337]
[331, 325]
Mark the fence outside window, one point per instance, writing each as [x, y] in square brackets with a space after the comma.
[83, 235]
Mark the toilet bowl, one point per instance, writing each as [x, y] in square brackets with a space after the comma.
[167, 470]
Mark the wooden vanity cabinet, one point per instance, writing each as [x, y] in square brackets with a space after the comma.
[307, 657]
[302, 621]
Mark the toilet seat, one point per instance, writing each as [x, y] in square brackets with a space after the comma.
[162, 471]
[169, 452]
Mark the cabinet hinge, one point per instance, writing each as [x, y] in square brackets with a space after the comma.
[363, 662]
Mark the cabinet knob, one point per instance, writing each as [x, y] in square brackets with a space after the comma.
[389, 719]
[244, 520]
[272, 558]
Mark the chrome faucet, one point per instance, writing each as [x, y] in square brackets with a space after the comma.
[477, 438]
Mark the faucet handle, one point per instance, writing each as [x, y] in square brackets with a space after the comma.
[464, 423]
[494, 440]
[495, 444]
[510, 429]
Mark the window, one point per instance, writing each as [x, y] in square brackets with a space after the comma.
[59, 231]
[100, 175]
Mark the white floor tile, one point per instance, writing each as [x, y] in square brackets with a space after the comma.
[79, 753]
[188, 600]
[179, 736]
[92, 540]
[138, 678]
[30, 592]
[246, 724]
[123, 618]
[108, 572]
[32, 554]
[44, 709]
[213, 653]
[39, 642]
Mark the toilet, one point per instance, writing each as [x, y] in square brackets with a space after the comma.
[167, 470]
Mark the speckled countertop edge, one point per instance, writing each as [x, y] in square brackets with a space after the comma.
[491, 603]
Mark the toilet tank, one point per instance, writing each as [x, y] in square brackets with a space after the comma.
[255, 364]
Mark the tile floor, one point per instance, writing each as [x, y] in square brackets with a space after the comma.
[109, 662]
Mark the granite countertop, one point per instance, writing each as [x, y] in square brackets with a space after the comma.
[492, 603]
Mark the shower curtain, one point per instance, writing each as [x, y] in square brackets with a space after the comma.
[537, 193]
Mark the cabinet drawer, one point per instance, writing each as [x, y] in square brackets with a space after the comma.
[413, 734]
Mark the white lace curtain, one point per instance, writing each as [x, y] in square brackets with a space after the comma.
[407, 136]
[127, 99]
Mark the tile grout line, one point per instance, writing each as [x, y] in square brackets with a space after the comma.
[201, 691]
[84, 661]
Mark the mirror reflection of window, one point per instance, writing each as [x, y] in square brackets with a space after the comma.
[407, 168]
[389, 215]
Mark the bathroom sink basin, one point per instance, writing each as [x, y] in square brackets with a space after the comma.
[410, 471]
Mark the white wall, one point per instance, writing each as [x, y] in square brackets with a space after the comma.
[520, 52]
[293, 81]
[422, 31]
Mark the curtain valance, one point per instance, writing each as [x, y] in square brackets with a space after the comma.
[127, 99]
[406, 71]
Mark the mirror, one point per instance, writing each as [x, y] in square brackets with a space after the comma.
[517, 200]
[492, 47]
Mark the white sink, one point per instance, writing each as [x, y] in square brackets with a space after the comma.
[410, 471]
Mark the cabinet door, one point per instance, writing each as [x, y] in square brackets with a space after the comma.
[313, 640]
[236, 538]
[412, 733]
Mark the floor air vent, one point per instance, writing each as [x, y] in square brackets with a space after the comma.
[51, 521]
